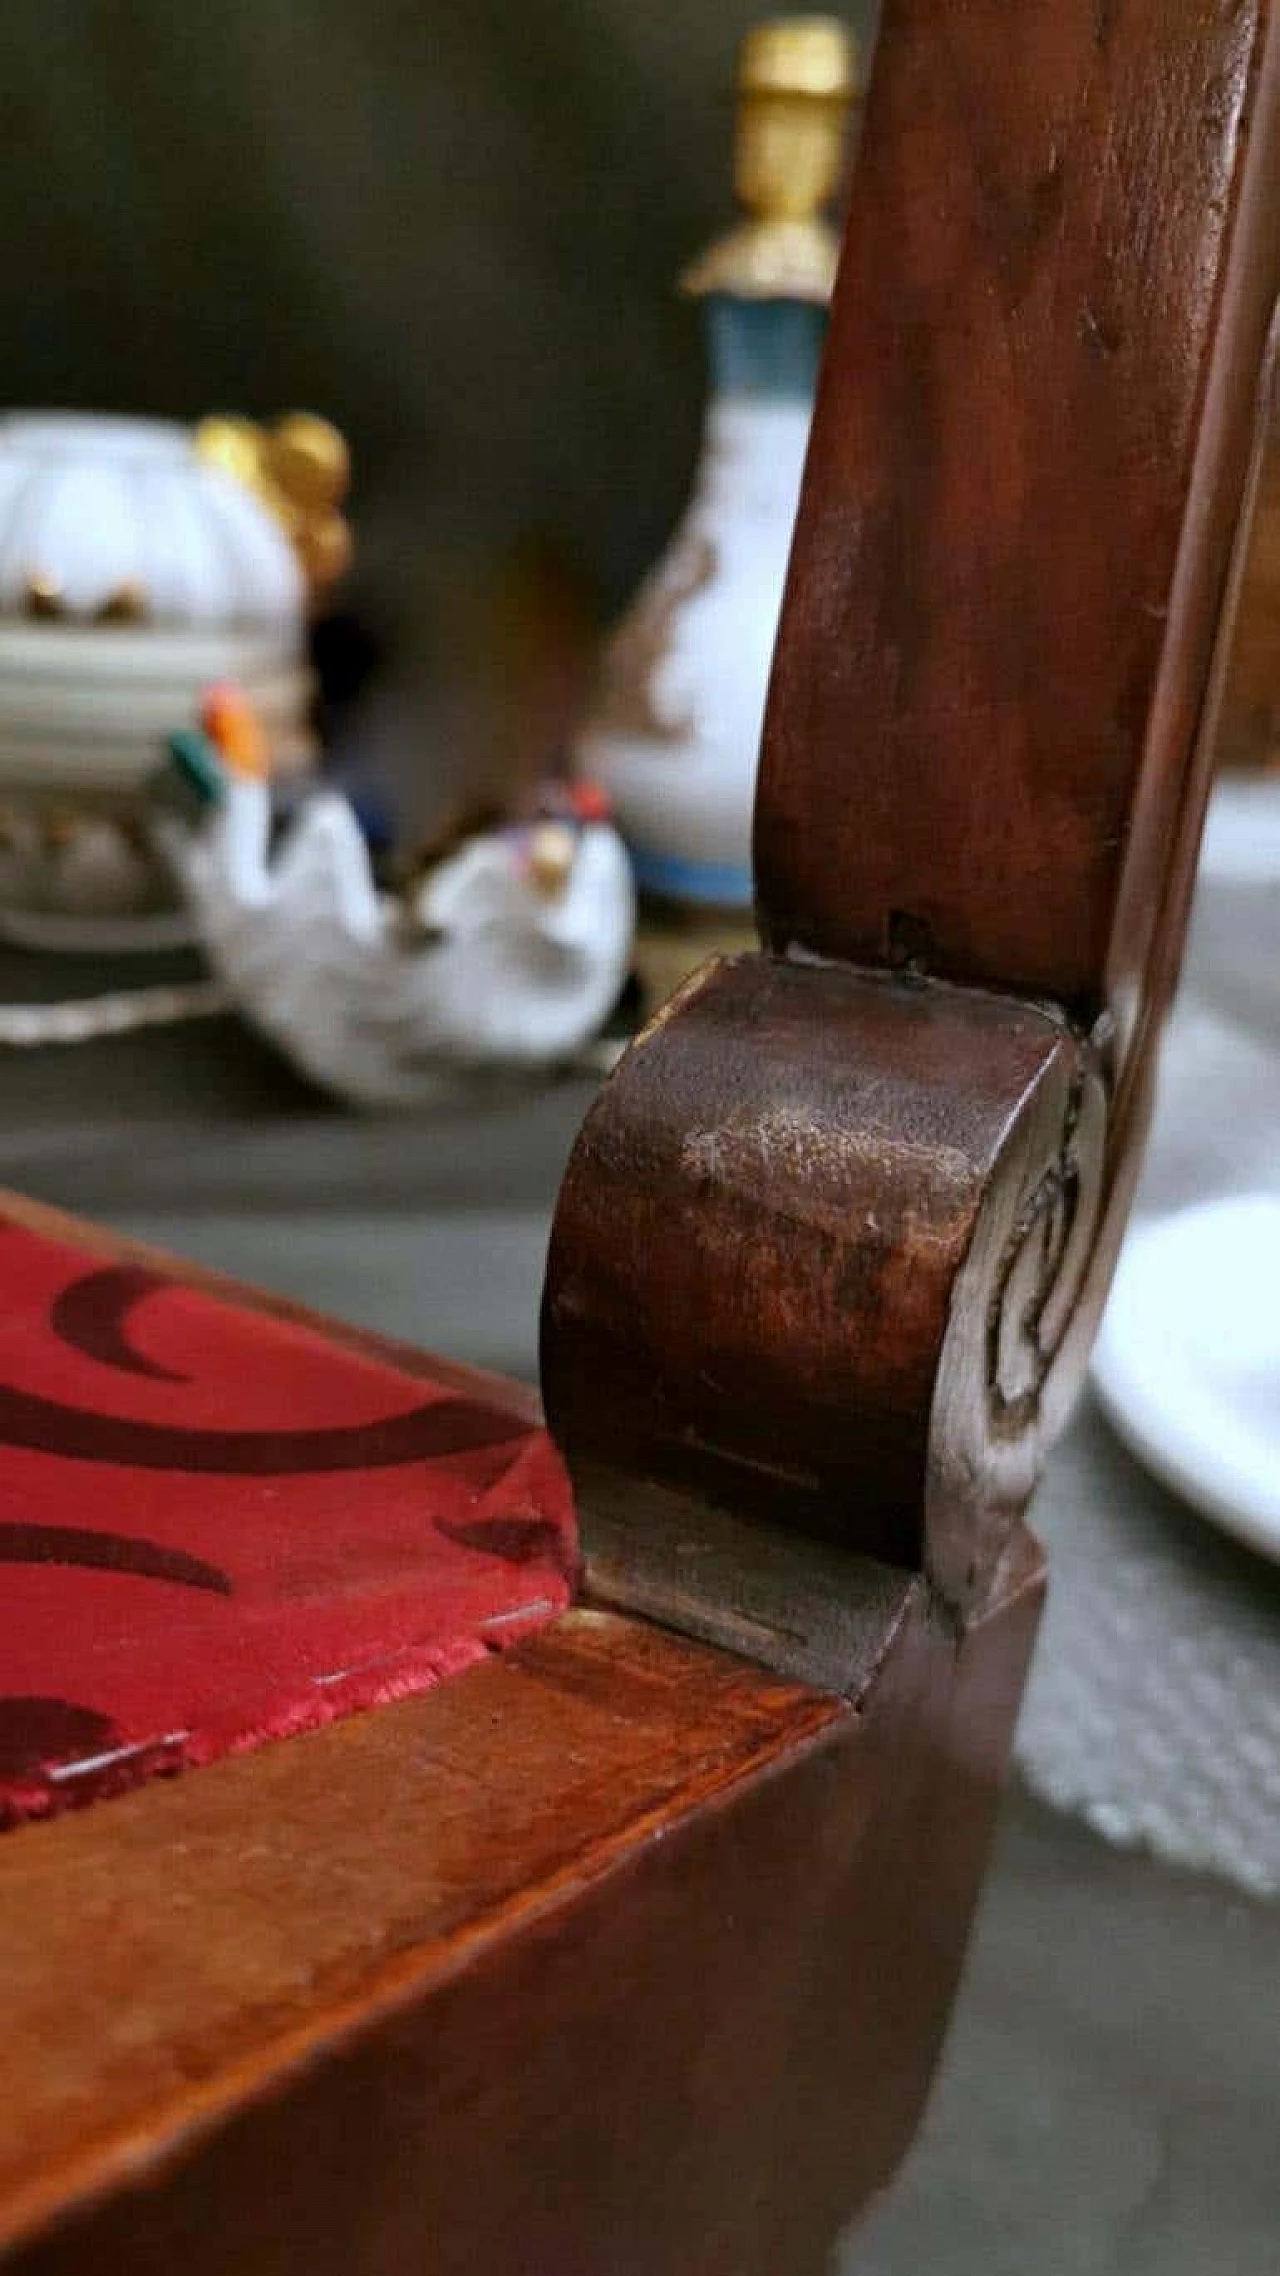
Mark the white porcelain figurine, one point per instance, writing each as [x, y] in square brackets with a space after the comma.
[674, 732]
[510, 954]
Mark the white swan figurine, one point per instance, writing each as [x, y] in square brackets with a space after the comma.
[512, 953]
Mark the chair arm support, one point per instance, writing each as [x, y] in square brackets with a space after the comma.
[818, 1254]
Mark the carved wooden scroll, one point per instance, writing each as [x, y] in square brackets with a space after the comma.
[832, 1243]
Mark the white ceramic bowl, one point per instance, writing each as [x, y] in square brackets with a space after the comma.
[132, 575]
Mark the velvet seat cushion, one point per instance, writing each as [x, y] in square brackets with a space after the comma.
[218, 1526]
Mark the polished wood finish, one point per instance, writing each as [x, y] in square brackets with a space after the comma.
[610, 1944]
[617, 1953]
[815, 1253]
[832, 1244]
[622, 1954]
[835, 1243]
[150, 1954]
[1028, 470]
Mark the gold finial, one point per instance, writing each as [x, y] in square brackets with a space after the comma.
[301, 470]
[798, 78]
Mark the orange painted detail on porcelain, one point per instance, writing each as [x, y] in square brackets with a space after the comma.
[231, 722]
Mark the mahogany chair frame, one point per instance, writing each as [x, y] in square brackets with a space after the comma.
[633, 1950]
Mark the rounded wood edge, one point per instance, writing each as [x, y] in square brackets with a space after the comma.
[817, 1257]
[269, 1910]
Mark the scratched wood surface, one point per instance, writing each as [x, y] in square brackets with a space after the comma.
[159, 1950]
[618, 1953]
[1028, 466]
[814, 1251]
[622, 1955]
[807, 1201]
[503, 1936]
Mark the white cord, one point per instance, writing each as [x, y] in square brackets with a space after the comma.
[85, 1019]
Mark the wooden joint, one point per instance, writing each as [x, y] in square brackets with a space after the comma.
[832, 1243]
[817, 1257]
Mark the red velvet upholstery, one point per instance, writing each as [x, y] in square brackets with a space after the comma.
[216, 1527]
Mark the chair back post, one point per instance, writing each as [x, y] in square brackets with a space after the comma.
[833, 1242]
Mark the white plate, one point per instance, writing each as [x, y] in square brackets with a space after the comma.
[1187, 1364]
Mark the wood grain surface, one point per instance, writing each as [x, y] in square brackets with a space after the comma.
[551, 1966]
[814, 1256]
[614, 1954]
[1029, 465]
[162, 1950]
[792, 1238]
[622, 1954]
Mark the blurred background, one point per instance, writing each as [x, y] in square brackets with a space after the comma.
[455, 231]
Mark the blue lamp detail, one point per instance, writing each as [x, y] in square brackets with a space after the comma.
[674, 731]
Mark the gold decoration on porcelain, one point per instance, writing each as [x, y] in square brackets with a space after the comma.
[301, 470]
[798, 78]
